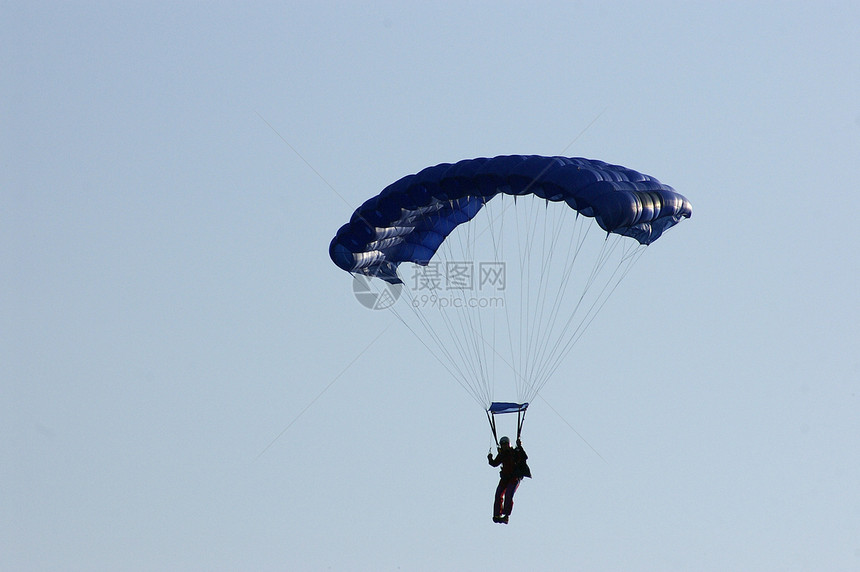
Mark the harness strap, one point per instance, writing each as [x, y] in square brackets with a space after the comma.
[521, 418]
[491, 417]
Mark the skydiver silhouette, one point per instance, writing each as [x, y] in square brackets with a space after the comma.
[514, 468]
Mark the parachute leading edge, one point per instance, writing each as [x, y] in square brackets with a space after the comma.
[409, 219]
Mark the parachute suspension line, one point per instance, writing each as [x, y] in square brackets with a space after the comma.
[565, 340]
[541, 357]
[454, 366]
[497, 239]
[581, 231]
[514, 365]
[449, 363]
[473, 312]
[537, 307]
[480, 336]
[465, 328]
[519, 274]
[569, 263]
[522, 325]
[521, 418]
[631, 253]
[499, 243]
[492, 419]
[578, 334]
[536, 336]
[536, 257]
[462, 344]
[480, 314]
[548, 308]
[470, 318]
[498, 254]
[466, 341]
[534, 298]
[532, 292]
[544, 328]
[553, 227]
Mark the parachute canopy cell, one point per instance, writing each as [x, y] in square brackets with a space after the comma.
[409, 219]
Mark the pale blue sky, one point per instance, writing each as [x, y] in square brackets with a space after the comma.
[169, 306]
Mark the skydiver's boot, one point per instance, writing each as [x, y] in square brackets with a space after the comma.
[503, 519]
[497, 519]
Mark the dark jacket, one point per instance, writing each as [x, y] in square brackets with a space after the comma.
[513, 462]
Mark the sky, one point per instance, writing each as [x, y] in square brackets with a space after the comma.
[188, 382]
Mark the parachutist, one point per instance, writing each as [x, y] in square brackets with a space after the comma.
[514, 468]
[462, 275]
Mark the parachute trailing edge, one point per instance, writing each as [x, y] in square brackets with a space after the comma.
[412, 217]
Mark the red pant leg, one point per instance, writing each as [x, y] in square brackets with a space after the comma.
[500, 495]
[509, 490]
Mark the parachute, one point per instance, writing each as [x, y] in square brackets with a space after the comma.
[505, 295]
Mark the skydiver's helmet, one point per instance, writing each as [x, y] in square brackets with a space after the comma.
[505, 442]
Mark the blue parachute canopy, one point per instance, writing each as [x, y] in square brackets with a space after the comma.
[498, 407]
[409, 219]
